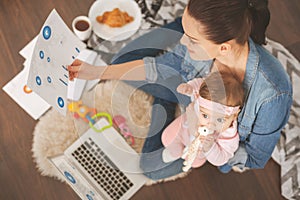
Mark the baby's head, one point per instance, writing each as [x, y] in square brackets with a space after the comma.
[221, 98]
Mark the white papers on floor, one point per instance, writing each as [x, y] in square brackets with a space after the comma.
[27, 51]
[18, 90]
[32, 103]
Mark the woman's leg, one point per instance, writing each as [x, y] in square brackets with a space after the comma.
[151, 158]
[151, 44]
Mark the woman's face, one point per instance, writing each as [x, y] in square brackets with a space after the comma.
[194, 39]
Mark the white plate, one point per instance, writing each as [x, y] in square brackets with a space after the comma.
[115, 34]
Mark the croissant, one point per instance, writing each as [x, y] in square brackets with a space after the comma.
[114, 18]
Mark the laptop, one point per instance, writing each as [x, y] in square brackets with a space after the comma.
[101, 165]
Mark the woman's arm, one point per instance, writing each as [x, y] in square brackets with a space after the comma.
[153, 69]
[133, 70]
[257, 149]
[271, 118]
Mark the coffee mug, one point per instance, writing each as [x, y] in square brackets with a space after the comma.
[82, 27]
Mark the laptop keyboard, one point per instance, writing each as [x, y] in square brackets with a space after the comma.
[109, 177]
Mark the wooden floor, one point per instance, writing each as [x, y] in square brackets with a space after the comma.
[20, 21]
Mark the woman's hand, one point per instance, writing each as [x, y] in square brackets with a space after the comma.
[83, 70]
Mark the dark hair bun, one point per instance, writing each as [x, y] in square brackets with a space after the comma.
[258, 4]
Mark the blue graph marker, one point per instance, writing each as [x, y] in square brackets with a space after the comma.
[89, 197]
[42, 55]
[64, 68]
[60, 102]
[70, 177]
[48, 59]
[38, 80]
[46, 32]
[66, 84]
[49, 79]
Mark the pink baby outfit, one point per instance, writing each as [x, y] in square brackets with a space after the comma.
[176, 137]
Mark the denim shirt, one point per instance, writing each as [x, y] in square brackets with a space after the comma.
[268, 98]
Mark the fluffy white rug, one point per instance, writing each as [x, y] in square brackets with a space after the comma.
[54, 132]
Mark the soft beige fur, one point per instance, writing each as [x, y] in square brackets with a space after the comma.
[54, 132]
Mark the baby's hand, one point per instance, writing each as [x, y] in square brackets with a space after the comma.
[207, 142]
[185, 88]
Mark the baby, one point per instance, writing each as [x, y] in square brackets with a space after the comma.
[208, 129]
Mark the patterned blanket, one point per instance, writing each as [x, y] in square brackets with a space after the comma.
[287, 151]
[156, 13]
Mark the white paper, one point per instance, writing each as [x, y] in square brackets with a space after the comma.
[76, 87]
[33, 104]
[26, 65]
[27, 51]
[55, 48]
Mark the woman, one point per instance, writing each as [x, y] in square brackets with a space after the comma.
[232, 33]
